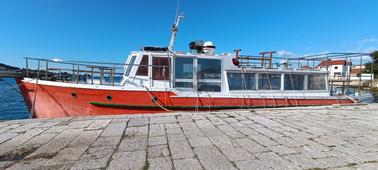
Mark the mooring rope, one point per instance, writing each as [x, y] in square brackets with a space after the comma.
[155, 100]
[13, 87]
[292, 85]
[31, 114]
[270, 86]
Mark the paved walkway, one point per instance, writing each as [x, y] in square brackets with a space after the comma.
[337, 137]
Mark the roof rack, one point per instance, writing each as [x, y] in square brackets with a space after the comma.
[155, 49]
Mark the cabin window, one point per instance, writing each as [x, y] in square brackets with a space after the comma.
[143, 67]
[183, 68]
[130, 65]
[269, 81]
[184, 84]
[209, 69]
[316, 82]
[294, 82]
[209, 86]
[160, 68]
[241, 81]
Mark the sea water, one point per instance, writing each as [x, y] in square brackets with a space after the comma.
[12, 105]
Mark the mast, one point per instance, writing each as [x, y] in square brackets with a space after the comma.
[174, 31]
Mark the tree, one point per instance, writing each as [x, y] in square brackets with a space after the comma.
[368, 66]
[374, 57]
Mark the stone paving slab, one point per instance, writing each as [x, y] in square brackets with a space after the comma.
[339, 137]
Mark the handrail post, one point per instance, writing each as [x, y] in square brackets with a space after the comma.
[359, 80]
[27, 67]
[47, 70]
[73, 72]
[60, 75]
[39, 64]
[113, 76]
[101, 75]
[92, 76]
[78, 74]
[371, 74]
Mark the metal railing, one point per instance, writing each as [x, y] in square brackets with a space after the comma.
[83, 72]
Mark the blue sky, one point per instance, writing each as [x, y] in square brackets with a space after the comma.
[107, 30]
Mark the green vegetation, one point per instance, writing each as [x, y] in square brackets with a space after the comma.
[368, 66]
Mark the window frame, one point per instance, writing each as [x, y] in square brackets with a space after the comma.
[304, 81]
[197, 81]
[325, 82]
[130, 66]
[235, 72]
[194, 79]
[184, 80]
[144, 65]
[272, 73]
[158, 64]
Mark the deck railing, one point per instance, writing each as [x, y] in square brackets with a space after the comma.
[84, 72]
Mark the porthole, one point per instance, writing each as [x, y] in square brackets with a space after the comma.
[73, 94]
[108, 97]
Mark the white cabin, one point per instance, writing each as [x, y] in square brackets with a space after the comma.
[198, 73]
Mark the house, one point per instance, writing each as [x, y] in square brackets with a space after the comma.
[356, 74]
[337, 68]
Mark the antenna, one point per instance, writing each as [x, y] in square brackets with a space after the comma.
[177, 9]
[175, 26]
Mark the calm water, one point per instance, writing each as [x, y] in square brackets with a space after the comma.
[12, 104]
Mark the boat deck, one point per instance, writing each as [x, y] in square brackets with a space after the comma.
[290, 138]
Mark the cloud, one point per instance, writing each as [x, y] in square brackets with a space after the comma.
[368, 40]
[366, 45]
[285, 53]
[369, 49]
[309, 47]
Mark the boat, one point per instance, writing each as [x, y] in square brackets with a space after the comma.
[161, 79]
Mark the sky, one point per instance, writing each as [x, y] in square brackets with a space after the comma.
[108, 30]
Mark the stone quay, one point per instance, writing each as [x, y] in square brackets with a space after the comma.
[338, 137]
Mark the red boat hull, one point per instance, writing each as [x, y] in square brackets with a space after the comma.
[49, 101]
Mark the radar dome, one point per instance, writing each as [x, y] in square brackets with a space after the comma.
[209, 48]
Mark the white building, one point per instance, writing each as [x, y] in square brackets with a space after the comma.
[338, 69]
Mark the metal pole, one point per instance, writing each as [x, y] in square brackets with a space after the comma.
[47, 70]
[60, 75]
[371, 74]
[345, 77]
[113, 76]
[39, 64]
[331, 88]
[27, 67]
[299, 63]
[73, 72]
[101, 75]
[328, 73]
[78, 74]
[359, 81]
[92, 76]
[348, 78]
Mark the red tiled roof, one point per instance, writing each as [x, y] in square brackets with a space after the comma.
[307, 67]
[332, 62]
[355, 71]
